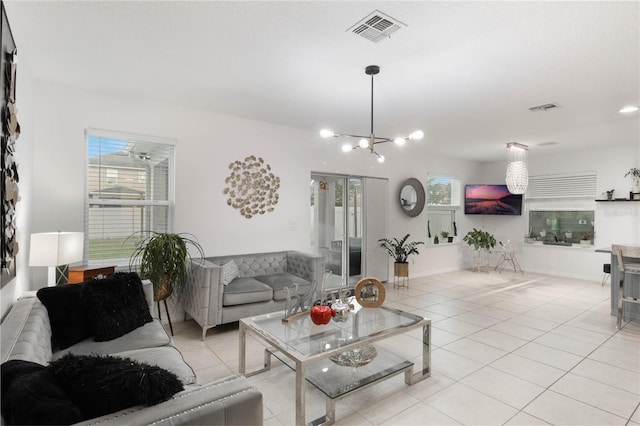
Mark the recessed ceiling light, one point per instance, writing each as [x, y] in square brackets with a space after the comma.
[628, 109]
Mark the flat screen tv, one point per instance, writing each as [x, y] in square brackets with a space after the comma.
[491, 199]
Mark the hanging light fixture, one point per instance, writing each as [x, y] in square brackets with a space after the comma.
[517, 174]
[369, 142]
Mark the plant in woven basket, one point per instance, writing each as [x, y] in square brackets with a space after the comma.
[163, 258]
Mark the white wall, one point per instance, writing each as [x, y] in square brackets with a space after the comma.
[206, 144]
[53, 171]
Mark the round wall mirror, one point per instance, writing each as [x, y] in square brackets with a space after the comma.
[412, 197]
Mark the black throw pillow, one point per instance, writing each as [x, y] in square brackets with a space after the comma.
[31, 396]
[67, 314]
[100, 385]
[116, 305]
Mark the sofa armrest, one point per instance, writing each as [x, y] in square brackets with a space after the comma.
[147, 287]
[25, 332]
[307, 266]
[203, 300]
[231, 400]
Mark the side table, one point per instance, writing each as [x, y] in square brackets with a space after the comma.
[79, 274]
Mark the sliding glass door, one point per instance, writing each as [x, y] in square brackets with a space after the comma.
[337, 226]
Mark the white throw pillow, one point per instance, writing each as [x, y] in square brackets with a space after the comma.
[229, 272]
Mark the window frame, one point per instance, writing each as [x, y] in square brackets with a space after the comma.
[170, 144]
[452, 208]
[560, 193]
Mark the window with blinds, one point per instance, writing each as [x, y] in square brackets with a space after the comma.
[129, 192]
[561, 208]
[574, 185]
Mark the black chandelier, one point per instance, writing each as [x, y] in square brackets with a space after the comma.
[369, 142]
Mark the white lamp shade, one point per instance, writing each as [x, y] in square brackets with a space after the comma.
[56, 248]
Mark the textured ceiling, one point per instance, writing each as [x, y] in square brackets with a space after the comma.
[463, 72]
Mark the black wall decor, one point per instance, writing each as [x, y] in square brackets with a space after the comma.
[9, 133]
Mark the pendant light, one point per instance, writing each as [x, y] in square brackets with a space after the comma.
[369, 142]
[517, 177]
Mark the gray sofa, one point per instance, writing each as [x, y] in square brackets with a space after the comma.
[25, 334]
[258, 288]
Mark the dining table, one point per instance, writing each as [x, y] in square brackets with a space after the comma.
[631, 310]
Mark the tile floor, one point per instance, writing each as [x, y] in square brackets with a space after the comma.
[506, 349]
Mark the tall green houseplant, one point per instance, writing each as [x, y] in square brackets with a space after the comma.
[162, 258]
[400, 250]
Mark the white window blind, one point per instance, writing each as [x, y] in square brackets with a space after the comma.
[118, 212]
[566, 186]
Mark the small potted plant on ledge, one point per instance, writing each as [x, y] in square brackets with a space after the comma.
[400, 250]
[446, 237]
[634, 173]
[585, 240]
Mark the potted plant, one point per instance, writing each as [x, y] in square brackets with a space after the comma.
[480, 240]
[400, 250]
[610, 194]
[585, 240]
[634, 173]
[446, 237]
[162, 258]
[482, 243]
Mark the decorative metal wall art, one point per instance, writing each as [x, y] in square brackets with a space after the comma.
[252, 187]
[10, 131]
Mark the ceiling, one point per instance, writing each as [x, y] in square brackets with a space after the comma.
[463, 72]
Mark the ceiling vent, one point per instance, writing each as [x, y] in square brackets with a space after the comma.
[545, 107]
[376, 26]
[550, 143]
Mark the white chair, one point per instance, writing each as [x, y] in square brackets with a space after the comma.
[508, 254]
[628, 264]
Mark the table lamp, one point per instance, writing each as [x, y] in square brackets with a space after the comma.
[56, 250]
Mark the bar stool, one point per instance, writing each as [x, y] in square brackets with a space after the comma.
[628, 264]
[606, 268]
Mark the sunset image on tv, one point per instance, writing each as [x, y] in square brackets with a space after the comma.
[491, 199]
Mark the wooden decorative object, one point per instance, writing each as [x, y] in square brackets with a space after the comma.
[369, 292]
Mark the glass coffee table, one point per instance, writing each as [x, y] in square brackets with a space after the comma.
[339, 357]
